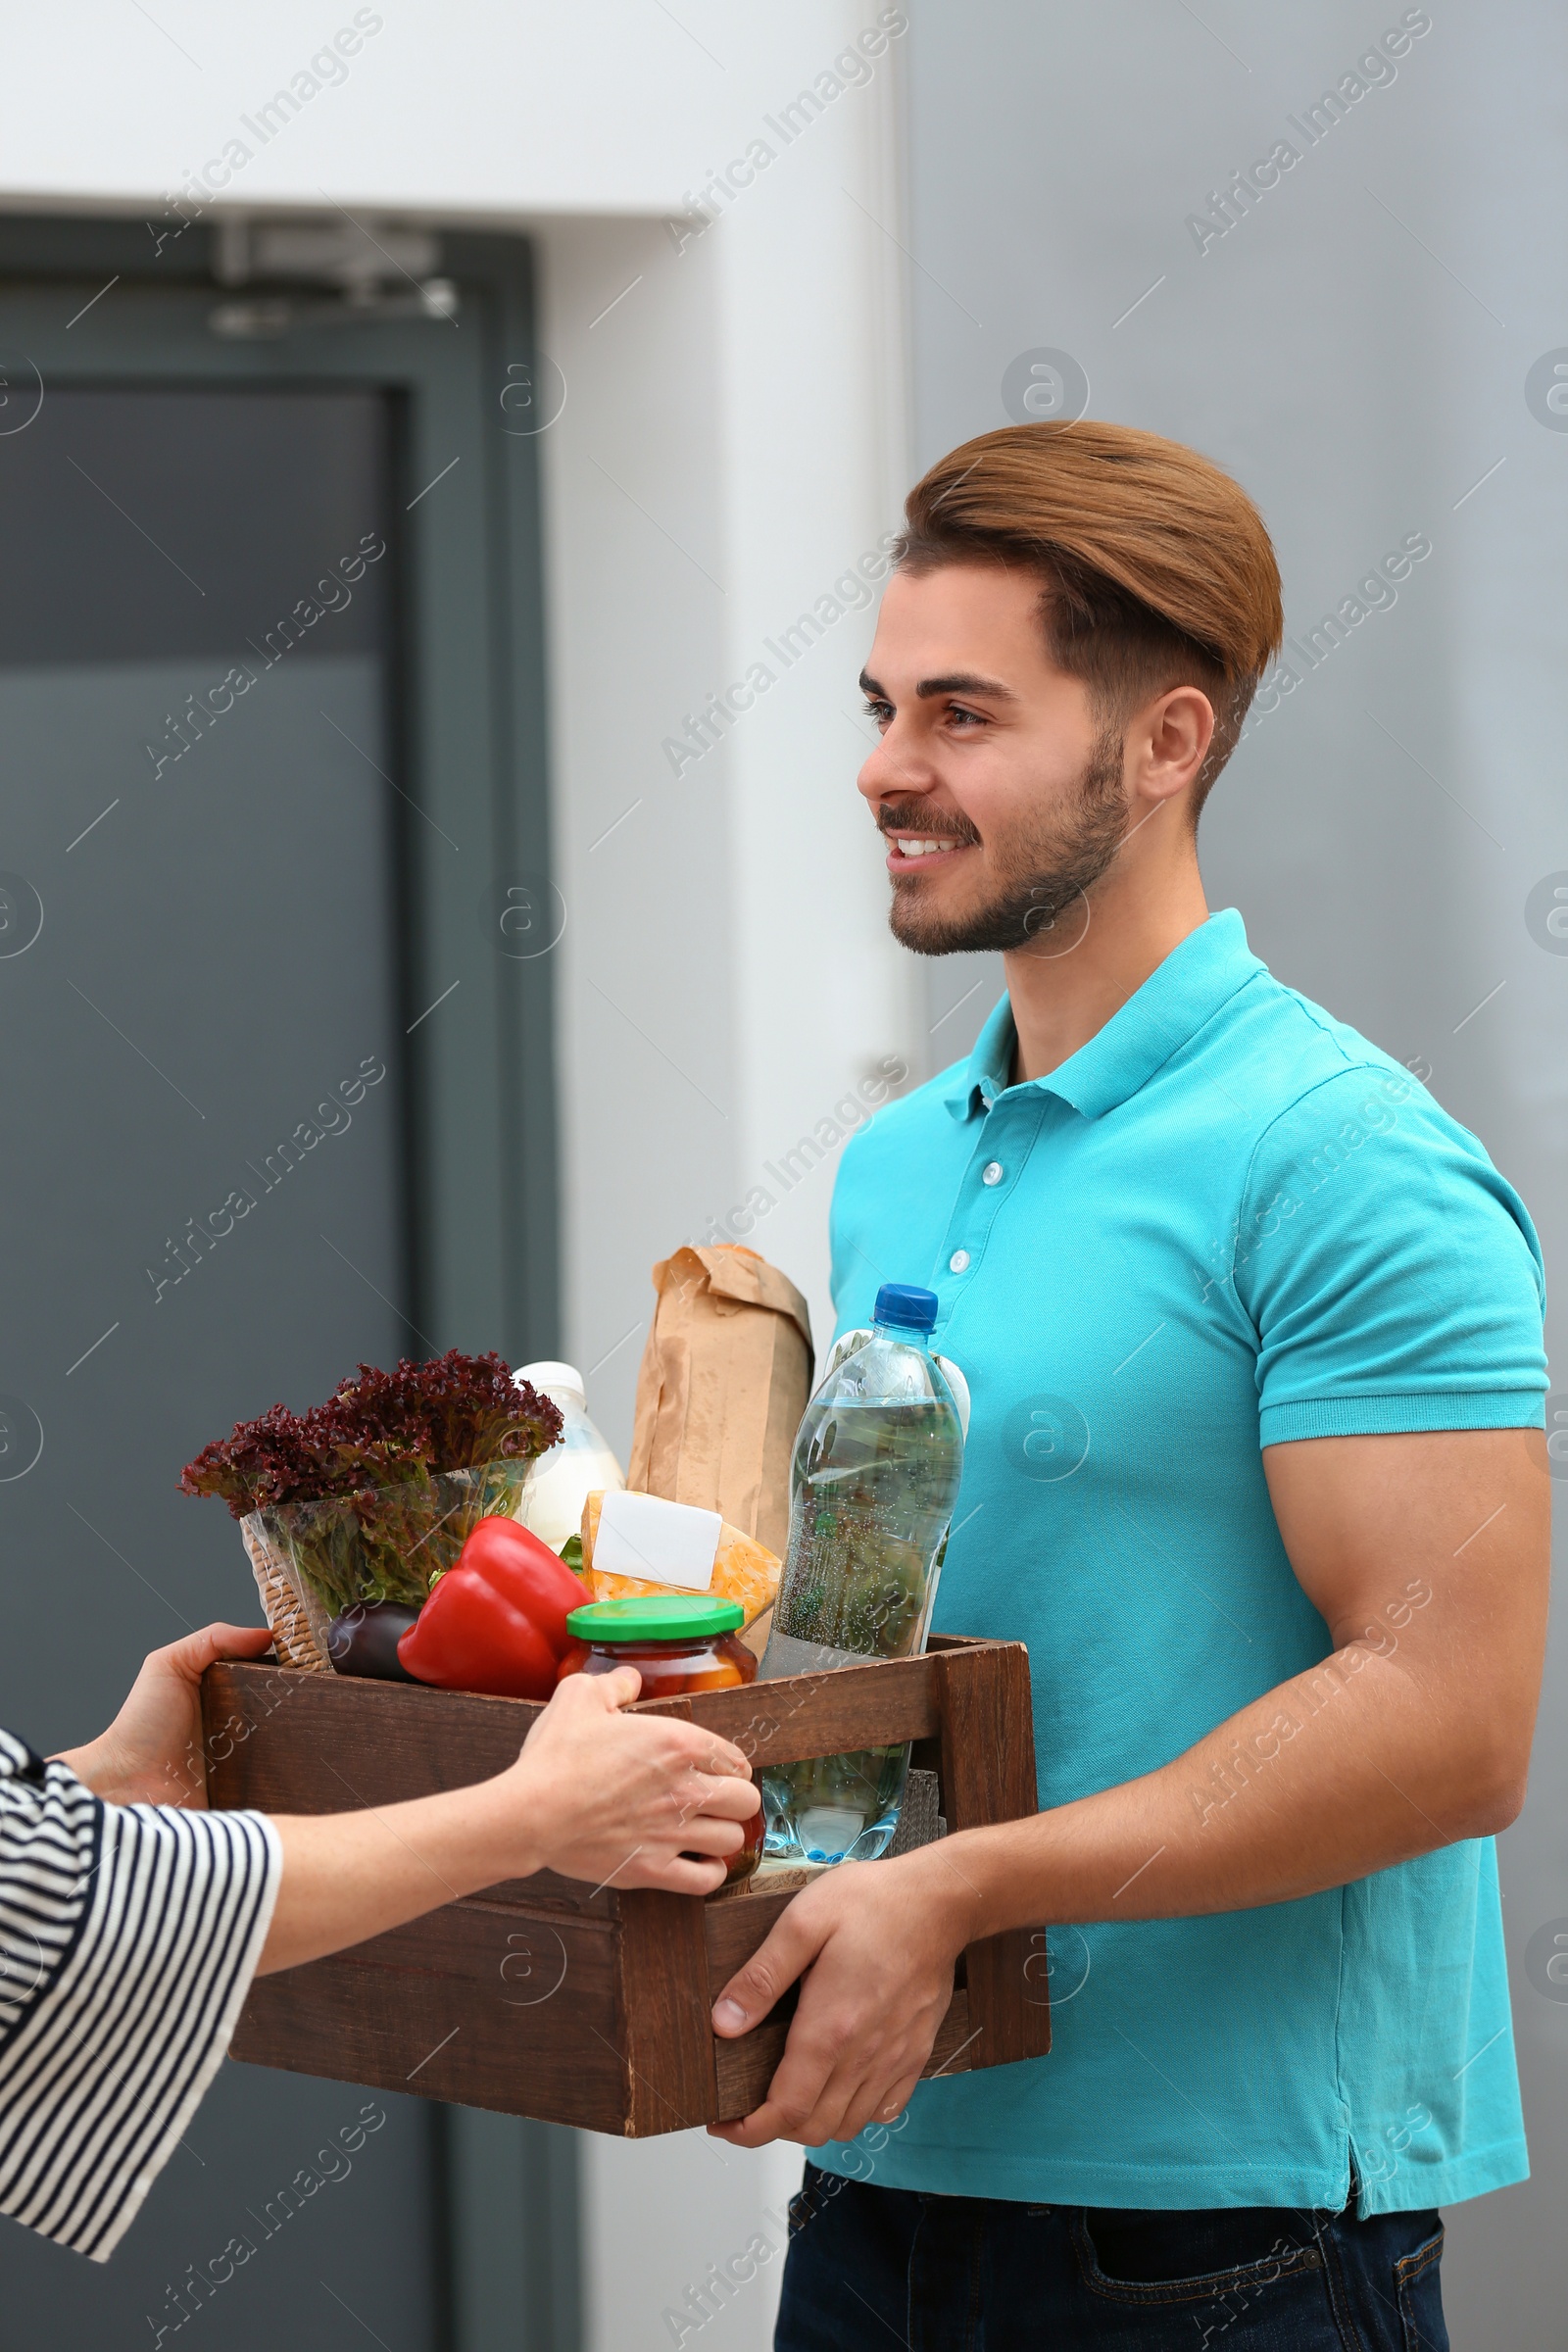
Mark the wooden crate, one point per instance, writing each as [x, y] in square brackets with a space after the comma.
[541, 1998]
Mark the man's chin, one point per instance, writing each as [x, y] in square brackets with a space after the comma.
[999, 926]
[920, 923]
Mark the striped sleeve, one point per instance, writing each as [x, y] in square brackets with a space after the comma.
[128, 1937]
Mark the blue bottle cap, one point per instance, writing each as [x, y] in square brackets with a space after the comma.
[901, 1302]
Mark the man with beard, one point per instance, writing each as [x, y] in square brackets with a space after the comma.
[1253, 1335]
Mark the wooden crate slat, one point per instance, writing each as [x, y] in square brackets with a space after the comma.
[456, 2006]
[876, 1705]
[664, 2004]
[303, 1743]
[988, 1775]
[734, 1928]
[411, 1742]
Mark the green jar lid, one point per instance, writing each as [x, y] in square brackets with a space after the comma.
[656, 1617]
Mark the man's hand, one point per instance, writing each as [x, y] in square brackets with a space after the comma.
[632, 1799]
[152, 1753]
[875, 1943]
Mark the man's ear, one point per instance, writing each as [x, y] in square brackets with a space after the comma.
[1171, 742]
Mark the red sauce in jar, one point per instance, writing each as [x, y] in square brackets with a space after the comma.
[679, 1644]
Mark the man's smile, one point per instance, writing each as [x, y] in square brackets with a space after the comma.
[909, 851]
[923, 848]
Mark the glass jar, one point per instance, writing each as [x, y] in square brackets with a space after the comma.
[679, 1644]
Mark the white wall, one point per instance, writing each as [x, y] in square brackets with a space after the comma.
[728, 451]
[746, 399]
[480, 108]
[733, 440]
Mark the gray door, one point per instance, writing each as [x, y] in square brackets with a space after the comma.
[270, 1104]
[197, 975]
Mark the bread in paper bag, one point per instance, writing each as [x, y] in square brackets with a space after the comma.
[725, 1379]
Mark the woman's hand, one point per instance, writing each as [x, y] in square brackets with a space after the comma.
[152, 1754]
[628, 1799]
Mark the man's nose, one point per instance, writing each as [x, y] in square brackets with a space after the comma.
[893, 771]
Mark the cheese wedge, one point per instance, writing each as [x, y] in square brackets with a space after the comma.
[744, 1571]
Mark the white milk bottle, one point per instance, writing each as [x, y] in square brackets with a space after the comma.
[576, 1466]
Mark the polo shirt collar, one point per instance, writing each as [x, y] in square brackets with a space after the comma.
[1173, 1004]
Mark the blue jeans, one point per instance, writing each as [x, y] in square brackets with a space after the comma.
[869, 2269]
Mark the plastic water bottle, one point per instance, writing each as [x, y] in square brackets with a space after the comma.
[875, 1477]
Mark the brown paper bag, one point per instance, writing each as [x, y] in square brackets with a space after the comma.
[723, 1382]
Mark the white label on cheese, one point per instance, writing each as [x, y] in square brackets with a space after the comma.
[657, 1543]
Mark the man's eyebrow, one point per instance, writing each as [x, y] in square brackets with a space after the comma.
[967, 681]
[959, 681]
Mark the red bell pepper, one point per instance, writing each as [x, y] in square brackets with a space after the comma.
[496, 1621]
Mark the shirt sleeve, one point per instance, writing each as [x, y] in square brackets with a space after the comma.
[1392, 1277]
[128, 1937]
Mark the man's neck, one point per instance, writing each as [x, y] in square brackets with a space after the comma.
[1068, 981]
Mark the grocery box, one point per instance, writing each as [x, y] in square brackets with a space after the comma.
[543, 1998]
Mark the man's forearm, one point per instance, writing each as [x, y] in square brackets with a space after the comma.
[1335, 1773]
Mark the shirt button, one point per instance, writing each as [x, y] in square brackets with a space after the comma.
[992, 1173]
[957, 1261]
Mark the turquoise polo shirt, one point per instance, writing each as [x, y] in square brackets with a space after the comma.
[1226, 1222]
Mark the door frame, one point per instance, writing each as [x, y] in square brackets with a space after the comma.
[470, 747]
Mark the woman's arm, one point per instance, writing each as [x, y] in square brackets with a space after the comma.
[130, 1930]
[596, 1795]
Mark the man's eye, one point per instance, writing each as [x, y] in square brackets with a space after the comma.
[958, 716]
[881, 713]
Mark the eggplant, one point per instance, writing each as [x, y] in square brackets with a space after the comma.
[364, 1640]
